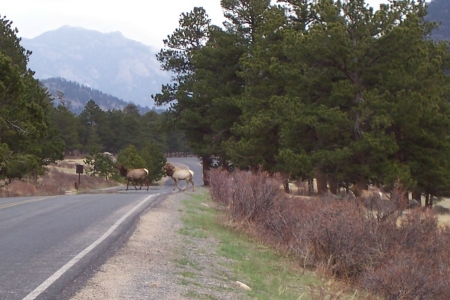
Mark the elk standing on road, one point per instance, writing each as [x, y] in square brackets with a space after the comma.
[179, 174]
[134, 175]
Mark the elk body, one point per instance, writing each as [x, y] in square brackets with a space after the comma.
[134, 175]
[366, 194]
[179, 174]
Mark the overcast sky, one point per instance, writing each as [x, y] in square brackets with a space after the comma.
[148, 22]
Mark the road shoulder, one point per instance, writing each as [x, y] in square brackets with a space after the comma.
[143, 267]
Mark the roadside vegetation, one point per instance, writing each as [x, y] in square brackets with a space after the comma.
[374, 246]
[58, 179]
[327, 91]
[238, 256]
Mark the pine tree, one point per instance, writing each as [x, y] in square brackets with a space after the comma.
[29, 140]
[91, 120]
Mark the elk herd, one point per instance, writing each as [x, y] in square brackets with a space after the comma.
[141, 175]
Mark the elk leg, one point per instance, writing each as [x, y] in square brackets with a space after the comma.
[134, 183]
[176, 184]
[192, 182]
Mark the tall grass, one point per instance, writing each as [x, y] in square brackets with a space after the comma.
[393, 256]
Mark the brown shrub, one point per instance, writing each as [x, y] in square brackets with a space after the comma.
[408, 277]
[397, 258]
[248, 196]
[219, 183]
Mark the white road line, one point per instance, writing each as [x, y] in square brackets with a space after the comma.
[74, 260]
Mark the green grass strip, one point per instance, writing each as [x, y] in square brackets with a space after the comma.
[269, 274]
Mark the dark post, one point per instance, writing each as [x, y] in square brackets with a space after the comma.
[79, 172]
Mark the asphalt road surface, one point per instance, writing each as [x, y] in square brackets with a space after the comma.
[48, 244]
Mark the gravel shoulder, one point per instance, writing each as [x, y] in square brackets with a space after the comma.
[158, 262]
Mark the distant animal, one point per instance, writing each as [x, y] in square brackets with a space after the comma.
[179, 174]
[366, 194]
[110, 156]
[134, 175]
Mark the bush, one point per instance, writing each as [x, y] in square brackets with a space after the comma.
[395, 256]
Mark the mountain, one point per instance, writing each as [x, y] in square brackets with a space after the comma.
[76, 96]
[108, 62]
[438, 11]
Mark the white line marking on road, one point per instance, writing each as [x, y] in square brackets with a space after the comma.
[74, 260]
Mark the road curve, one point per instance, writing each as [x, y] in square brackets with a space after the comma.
[47, 244]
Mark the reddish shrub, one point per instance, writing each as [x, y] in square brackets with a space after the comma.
[249, 196]
[219, 185]
[408, 277]
[396, 258]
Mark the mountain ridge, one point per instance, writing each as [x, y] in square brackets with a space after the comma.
[76, 96]
[108, 62]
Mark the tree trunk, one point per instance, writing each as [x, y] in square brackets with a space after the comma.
[322, 187]
[310, 186]
[286, 186]
[362, 183]
[35, 178]
[205, 165]
[405, 198]
[417, 196]
[428, 201]
[332, 181]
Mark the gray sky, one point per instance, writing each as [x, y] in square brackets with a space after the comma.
[148, 23]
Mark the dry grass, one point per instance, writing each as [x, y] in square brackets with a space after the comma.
[59, 179]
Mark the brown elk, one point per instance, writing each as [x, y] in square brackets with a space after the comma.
[134, 175]
[179, 174]
[376, 193]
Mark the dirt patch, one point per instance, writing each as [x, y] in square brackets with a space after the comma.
[158, 262]
[142, 268]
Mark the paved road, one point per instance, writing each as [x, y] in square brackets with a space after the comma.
[47, 244]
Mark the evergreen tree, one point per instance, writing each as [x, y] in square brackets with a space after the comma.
[154, 161]
[99, 164]
[131, 158]
[68, 127]
[29, 140]
[112, 136]
[381, 77]
[154, 129]
[131, 126]
[255, 135]
[91, 118]
[176, 57]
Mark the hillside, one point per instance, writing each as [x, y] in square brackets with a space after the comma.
[76, 96]
[438, 11]
[108, 62]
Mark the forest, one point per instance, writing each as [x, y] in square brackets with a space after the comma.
[37, 129]
[332, 90]
[75, 96]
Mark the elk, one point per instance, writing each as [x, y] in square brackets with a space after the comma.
[365, 194]
[134, 175]
[179, 174]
